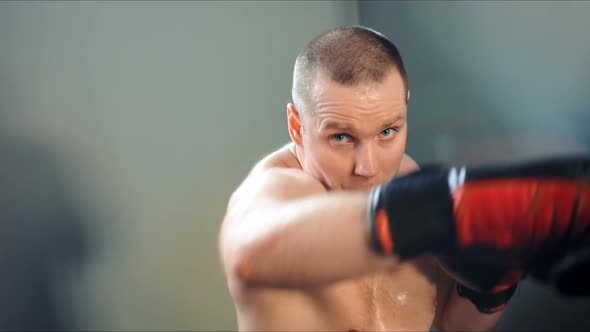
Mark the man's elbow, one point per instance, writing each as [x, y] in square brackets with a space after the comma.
[243, 262]
[237, 261]
[242, 269]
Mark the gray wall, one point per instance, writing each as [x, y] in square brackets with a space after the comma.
[492, 80]
[496, 81]
[157, 111]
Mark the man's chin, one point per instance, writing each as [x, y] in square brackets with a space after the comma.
[365, 188]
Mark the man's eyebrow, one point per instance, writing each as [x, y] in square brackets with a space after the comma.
[327, 125]
[331, 124]
[393, 121]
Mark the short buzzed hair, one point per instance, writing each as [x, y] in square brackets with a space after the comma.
[349, 56]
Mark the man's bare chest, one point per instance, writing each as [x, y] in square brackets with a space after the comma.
[400, 299]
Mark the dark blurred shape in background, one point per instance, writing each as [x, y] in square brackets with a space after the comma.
[41, 238]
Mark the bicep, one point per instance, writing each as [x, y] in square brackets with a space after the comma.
[268, 190]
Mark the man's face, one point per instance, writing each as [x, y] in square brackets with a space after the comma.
[355, 136]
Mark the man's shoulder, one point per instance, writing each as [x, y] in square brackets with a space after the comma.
[282, 158]
[278, 184]
[408, 165]
[278, 175]
[281, 167]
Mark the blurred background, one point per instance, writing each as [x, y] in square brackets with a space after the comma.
[125, 126]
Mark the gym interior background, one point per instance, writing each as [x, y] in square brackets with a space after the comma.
[134, 121]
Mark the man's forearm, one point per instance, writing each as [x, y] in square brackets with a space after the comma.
[315, 240]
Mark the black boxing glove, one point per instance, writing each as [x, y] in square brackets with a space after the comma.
[569, 273]
[495, 299]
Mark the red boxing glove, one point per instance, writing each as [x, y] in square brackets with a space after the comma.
[484, 221]
[523, 215]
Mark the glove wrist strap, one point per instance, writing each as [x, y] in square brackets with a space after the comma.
[487, 302]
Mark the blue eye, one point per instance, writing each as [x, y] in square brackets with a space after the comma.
[340, 138]
[387, 132]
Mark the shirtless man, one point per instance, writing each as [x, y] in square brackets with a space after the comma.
[295, 244]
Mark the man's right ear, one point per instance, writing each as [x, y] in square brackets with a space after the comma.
[294, 124]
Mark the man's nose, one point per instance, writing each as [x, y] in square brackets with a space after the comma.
[365, 164]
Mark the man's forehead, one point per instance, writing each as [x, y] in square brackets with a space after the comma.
[368, 92]
[392, 88]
